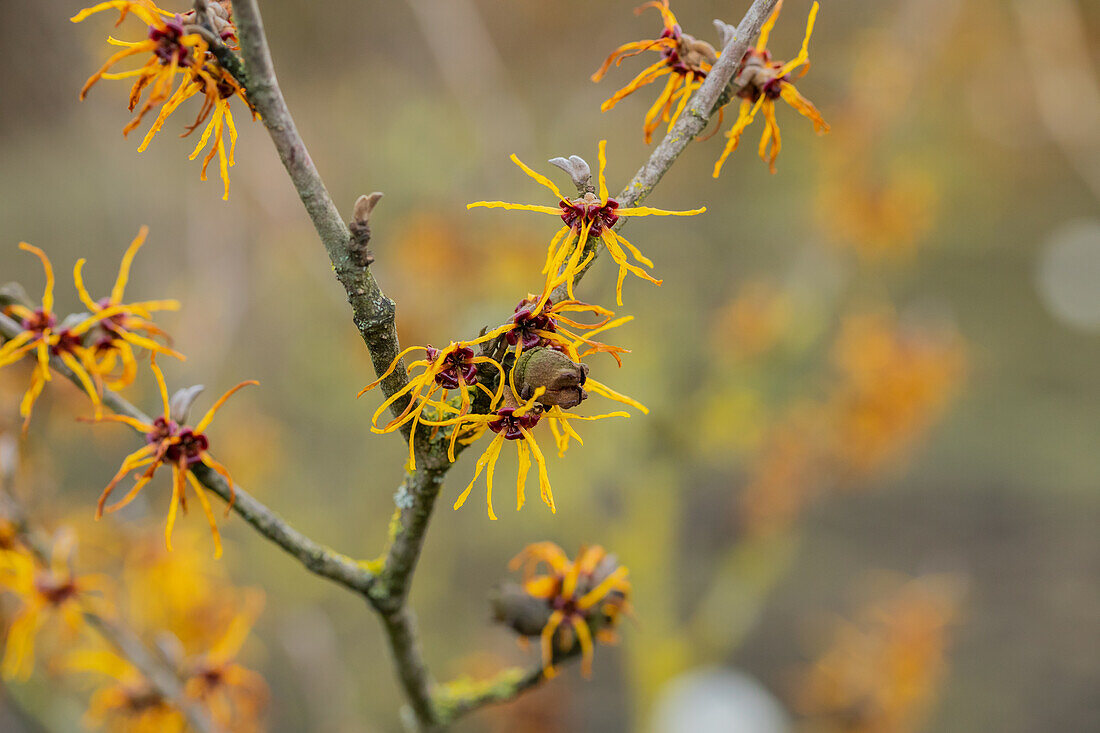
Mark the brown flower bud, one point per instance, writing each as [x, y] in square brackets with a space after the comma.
[562, 377]
[516, 609]
[359, 226]
[696, 52]
[579, 170]
[180, 404]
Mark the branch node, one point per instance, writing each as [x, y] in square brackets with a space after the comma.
[726, 32]
[578, 170]
[359, 226]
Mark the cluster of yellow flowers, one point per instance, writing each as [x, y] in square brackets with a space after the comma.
[444, 388]
[589, 593]
[99, 348]
[530, 369]
[892, 382]
[686, 60]
[178, 65]
[175, 597]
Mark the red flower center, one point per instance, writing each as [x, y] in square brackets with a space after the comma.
[579, 212]
[211, 677]
[762, 75]
[506, 420]
[67, 343]
[169, 43]
[53, 590]
[112, 324]
[189, 449]
[458, 363]
[39, 322]
[568, 606]
[163, 428]
[528, 324]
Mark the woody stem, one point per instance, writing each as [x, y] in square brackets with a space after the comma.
[374, 315]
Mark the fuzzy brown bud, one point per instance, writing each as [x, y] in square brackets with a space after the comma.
[579, 170]
[514, 608]
[562, 377]
[696, 52]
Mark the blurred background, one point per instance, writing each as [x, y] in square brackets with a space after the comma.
[866, 495]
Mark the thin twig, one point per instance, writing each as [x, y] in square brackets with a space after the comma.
[459, 698]
[412, 671]
[317, 558]
[504, 686]
[372, 311]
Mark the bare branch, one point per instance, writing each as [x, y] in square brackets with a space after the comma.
[455, 699]
[374, 315]
[416, 496]
[412, 671]
[373, 312]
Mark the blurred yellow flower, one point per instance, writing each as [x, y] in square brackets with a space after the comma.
[185, 590]
[129, 704]
[585, 595]
[895, 383]
[755, 320]
[47, 593]
[892, 383]
[234, 694]
[876, 218]
[880, 673]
